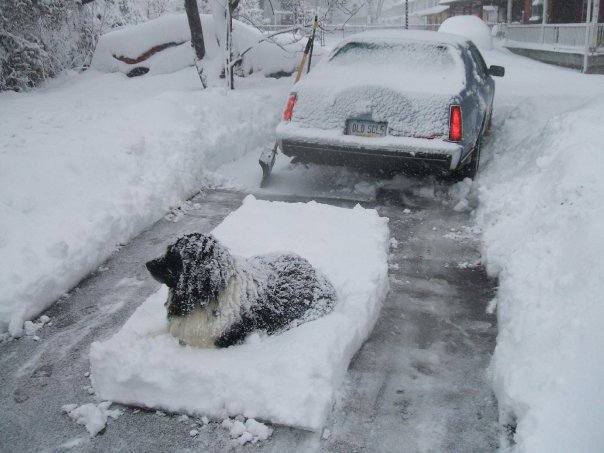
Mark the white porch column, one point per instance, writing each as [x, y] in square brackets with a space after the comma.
[544, 20]
[587, 33]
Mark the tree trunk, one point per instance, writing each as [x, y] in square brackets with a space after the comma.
[196, 36]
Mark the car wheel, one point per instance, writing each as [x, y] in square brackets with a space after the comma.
[471, 168]
[489, 122]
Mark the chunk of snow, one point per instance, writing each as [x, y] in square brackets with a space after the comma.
[257, 429]
[30, 328]
[237, 429]
[250, 431]
[93, 417]
[290, 378]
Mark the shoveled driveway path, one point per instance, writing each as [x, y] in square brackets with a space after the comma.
[418, 384]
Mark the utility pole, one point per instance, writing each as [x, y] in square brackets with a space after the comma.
[406, 14]
[509, 19]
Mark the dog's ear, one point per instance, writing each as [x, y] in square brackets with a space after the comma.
[166, 269]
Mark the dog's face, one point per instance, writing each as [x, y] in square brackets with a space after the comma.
[196, 268]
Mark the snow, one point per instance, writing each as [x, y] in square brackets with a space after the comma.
[289, 379]
[93, 159]
[407, 79]
[93, 417]
[470, 27]
[540, 208]
[134, 41]
[250, 431]
[90, 160]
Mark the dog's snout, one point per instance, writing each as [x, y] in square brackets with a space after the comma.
[160, 272]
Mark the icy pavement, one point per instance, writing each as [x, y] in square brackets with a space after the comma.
[417, 384]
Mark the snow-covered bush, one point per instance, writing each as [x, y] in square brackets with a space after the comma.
[249, 12]
[39, 39]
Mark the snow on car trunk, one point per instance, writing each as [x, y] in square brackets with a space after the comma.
[290, 378]
[408, 85]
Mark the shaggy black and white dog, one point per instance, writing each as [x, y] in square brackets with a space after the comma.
[217, 299]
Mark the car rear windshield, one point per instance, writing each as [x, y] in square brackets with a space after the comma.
[417, 56]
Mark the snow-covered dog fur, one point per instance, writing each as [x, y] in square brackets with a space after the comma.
[216, 299]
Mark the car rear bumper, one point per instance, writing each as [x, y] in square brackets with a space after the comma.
[391, 153]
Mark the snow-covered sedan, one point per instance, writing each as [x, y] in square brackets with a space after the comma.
[409, 101]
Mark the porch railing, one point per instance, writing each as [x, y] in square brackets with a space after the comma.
[557, 36]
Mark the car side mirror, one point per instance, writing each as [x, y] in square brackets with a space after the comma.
[497, 71]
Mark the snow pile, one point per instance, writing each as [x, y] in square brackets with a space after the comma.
[250, 431]
[471, 27]
[542, 214]
[290, 378]
[94, 418]
[92, 160]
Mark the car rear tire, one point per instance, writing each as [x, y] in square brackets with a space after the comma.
[471, 168]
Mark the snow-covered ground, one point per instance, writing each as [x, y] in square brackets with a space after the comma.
[92, 159]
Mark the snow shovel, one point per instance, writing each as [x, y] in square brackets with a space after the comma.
[267, 158]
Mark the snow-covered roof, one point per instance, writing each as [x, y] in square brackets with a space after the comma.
[430, 11]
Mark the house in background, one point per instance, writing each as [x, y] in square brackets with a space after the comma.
[434, 12]
[563, 37]
[559, 11]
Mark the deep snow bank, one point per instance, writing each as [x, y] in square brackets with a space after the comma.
[289, 378]
[542, 214]
[92, 160]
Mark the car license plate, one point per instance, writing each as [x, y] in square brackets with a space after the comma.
[366, 128]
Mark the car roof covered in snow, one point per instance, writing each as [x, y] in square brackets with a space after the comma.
[418, 68]
[406, 35]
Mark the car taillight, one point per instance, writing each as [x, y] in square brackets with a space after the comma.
[289, 108]
[455, 125]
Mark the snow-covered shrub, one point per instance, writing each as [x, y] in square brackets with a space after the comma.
[22, 62]
[249, 12]
[39, 39]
